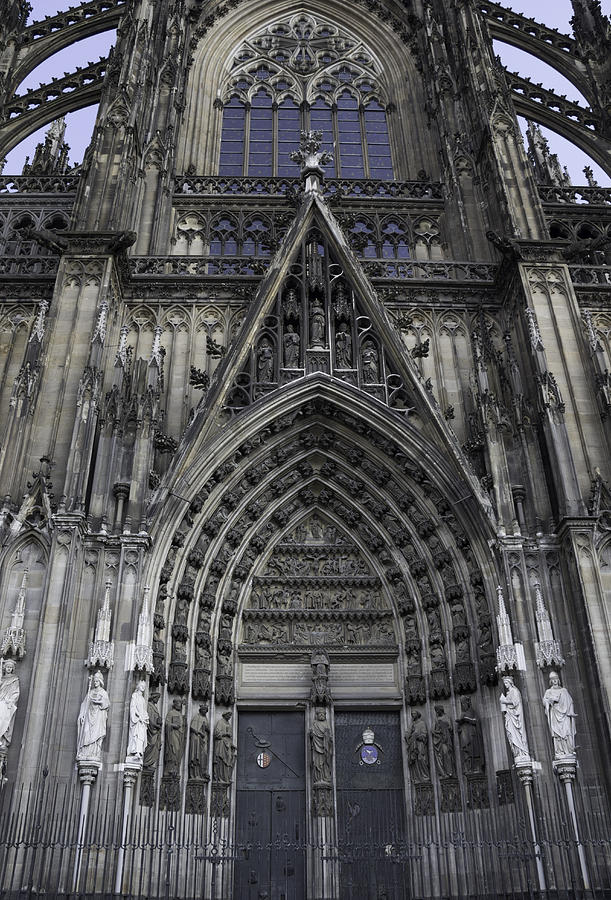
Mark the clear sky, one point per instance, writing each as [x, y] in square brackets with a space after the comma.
[555, 13]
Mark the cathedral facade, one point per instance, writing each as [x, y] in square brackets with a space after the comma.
[304, 457]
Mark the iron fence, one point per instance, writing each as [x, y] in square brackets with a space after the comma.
[484, 853]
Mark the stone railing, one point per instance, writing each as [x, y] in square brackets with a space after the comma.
[429, 271]
[205, 266]
[28, 265]
[596, 196]
[591, 275]
[197, 266]
[38, 184]
[366, 188]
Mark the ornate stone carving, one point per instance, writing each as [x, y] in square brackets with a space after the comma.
[443, 744]
[560, 713]
[138, 725]
[511, 706]
[92, 721]
[9, 697]
[470, 739]
[417, 741]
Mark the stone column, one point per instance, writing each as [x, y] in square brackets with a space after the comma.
[566, 770]
[87, 773]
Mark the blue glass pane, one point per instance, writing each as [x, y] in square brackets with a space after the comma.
[232, 138]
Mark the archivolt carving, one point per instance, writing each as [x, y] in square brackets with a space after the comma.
[250, 503]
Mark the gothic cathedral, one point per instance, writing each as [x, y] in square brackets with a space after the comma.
[305, 471]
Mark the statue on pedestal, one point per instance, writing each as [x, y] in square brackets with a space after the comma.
[561, 716]
[470, 739]
[198, 745]
[9, 695]
[92, 721]
[443, 745]
[224, 749]
[175, 737]
[322, 748]
[138, 722]
[418, 749]
[511, 705]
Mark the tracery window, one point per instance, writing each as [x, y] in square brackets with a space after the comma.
[303, 74]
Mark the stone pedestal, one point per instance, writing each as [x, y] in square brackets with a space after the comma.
[565, 768]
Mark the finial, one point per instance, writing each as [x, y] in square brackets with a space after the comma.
[311, 158]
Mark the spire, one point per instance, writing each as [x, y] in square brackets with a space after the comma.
[102, 649]
[13, 642]
[545, 163]
[590, 26]
[50, 156]
[547, 650]
[143, 651]
[506, 654]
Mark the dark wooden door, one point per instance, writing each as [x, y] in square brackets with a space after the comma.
[370, 807]
[270, 814]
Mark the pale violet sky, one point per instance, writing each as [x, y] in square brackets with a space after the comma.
[555, 13]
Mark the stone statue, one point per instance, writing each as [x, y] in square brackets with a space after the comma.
[443, 744]
[317, 324]
[198, 744]
[561, 715]
[265, 361]
[138, 722]
[343, 348]
[92, 721]
[470, 739]
[511, 705]
[369, 359]
[153, 733]
[322, 748]
[418, 749]
[175, 736]
[224, 749]
[291, 343]
[9, 695]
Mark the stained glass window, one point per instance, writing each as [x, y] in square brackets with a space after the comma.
[304, 75]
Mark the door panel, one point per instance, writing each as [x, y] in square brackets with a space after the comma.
[370, 807]
[270, 814]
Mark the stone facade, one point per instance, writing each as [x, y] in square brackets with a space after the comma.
[307, 440]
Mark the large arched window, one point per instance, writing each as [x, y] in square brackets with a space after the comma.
[302, 75]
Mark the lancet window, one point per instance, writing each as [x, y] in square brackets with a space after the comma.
[304, 75]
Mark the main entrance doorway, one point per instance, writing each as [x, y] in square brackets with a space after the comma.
[370, 806]
[270, 813]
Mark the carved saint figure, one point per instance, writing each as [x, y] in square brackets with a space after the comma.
[153, 733]
[443, 744]
[343, 348]
[369, 359]
[92, 720]
[418, 749]
[322, 747]
[265, 361]
[560, 713]
[9, 695]
[138, 721]
[511, 705]
[175, 736]
[470, 739]
[291, 342]
[224, 749]
[317, 324]
[198, 744]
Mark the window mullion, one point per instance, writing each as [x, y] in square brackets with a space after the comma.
[336, 147]
[364, 144]
[275, 138]
[248, 107]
